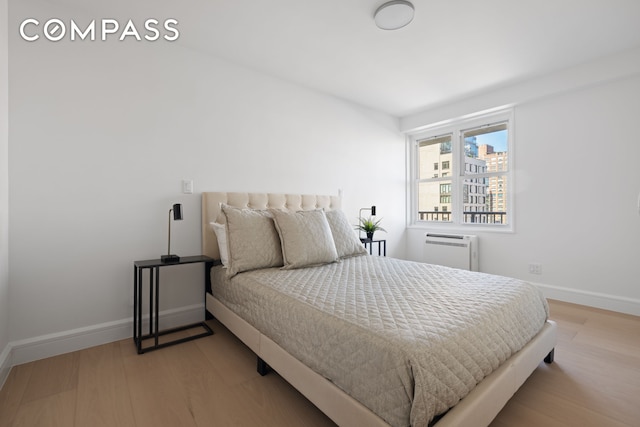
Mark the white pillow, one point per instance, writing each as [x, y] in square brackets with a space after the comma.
[252, 240]
[221, 235]
[305, 237]
[344, 236]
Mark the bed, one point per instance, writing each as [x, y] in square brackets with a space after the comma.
[352, 332]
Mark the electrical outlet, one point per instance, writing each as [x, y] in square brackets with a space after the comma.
[535, 268]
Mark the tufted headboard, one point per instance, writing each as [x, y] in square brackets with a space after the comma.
[291, 202]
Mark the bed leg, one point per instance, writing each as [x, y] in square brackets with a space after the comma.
[263, 368]
[549, 358]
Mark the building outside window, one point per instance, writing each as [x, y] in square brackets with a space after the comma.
[461, 173]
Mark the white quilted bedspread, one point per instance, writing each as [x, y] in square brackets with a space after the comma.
[408, 340]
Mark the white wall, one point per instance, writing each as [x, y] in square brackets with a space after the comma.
[577, 183]
[101, 135]
[4, 194]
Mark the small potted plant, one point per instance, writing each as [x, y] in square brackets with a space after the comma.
[369, 226]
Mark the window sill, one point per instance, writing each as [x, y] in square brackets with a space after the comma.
[461, 229]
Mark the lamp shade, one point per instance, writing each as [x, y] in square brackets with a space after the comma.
[177, 212]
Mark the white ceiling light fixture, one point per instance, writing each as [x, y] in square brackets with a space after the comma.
[394, 15]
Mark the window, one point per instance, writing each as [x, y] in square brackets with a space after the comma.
[476, 189]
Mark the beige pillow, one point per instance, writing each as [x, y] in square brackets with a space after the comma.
[252, 240]
[306, 238]
[344, 236]
[220, 231]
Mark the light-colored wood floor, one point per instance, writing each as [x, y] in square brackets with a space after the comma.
[212, 381]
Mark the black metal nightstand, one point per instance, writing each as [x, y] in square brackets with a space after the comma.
[382, 246]
[154, 265]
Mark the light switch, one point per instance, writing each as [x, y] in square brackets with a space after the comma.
[187, 186]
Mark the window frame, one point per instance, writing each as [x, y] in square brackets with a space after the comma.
[456, 128]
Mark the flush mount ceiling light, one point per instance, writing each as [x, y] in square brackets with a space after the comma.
[394, 15]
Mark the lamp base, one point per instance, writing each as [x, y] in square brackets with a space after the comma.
[168, 259]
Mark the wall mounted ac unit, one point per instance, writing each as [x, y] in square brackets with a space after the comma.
[452, 250]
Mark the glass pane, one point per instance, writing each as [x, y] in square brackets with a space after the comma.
[485, 200]
[434, 201]
[434, 156]
[486, 149]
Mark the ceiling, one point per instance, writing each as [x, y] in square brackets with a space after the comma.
[451, 50]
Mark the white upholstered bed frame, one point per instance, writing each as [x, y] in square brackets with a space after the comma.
[477, 409]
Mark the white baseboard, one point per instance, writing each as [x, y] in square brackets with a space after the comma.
[592, 299]
[31, 349]
[28, 350]
[5, 364]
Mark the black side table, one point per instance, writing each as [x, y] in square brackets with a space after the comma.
[382, 246]
[154, 265]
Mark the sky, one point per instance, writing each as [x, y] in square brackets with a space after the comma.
[497, 139]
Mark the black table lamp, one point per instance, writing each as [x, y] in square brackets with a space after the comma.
[372, 209]
[177, 216]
